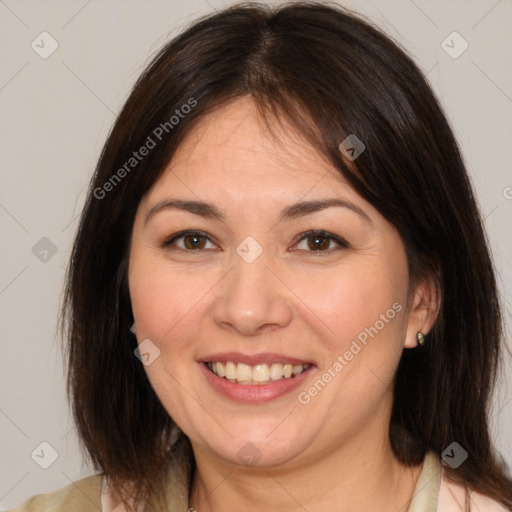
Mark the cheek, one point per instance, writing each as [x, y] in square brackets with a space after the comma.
[167, 301]
[167, 304]
[363, 307]
[352, 299]
[364, 310]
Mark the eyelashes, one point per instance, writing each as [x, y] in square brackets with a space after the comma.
[196, 241]
[183, 235]
[317, 235]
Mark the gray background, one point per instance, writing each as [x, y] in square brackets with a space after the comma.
[55, 116]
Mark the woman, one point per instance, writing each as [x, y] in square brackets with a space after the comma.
[280, 295]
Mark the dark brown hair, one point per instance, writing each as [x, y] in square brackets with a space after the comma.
[330, 74]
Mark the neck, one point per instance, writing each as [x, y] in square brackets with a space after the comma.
[356, 477]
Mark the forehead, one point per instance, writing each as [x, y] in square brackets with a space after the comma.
[231, 154]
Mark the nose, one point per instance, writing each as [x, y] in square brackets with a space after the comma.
[252, 298]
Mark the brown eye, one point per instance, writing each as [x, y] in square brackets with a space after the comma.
[194, 241]
[320, 242]
[190, 241]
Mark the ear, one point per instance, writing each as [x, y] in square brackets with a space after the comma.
[424, 307]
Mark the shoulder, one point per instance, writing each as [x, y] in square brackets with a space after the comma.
[81, 496]
[452, 498]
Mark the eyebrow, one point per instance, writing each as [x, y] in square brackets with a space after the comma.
[297, 210]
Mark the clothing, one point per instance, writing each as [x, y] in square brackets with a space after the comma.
[433, 493]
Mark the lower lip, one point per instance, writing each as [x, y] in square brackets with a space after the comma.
[253, 394]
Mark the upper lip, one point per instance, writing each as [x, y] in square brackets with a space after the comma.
[252, 359]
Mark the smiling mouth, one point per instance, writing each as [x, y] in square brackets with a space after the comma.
[257, 375]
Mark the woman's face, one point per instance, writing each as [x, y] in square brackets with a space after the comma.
[265, 344]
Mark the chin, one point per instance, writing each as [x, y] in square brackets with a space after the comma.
[259, 445]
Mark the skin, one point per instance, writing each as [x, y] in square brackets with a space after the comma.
[332, 453]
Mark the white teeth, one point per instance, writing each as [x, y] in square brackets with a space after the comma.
[258, 374]
[243, 372]
[230, 371]
[276, 371]
[220, 370]
[261, 373]
[298, 369]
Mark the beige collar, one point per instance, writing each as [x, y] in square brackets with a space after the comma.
[426, 492]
